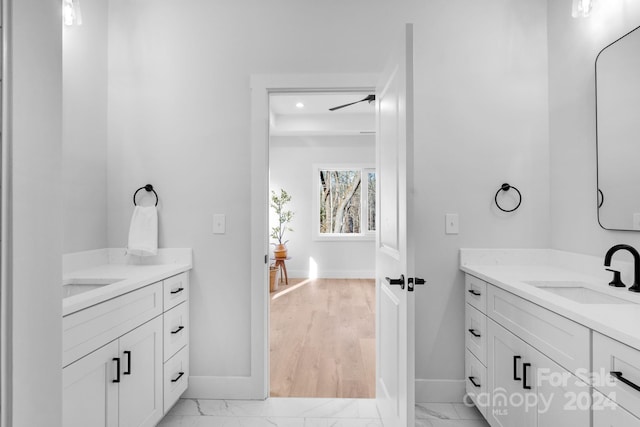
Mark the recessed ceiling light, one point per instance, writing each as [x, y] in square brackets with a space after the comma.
[300, 105]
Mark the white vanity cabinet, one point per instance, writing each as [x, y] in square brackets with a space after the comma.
[122, 381]
[607, 413]
[530, 353]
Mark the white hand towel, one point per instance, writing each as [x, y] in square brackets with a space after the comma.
[143, 232]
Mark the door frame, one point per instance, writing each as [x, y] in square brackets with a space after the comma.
[262, 85]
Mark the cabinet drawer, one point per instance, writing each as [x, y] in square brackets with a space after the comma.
[612, 356]
[176, 290]
[475, 291]
[93, 327]
[176, 329]
[557, 337]
[607, 413]
[176, 377]
[476, 333]
[475, 374]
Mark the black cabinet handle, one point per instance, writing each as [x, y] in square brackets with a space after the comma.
[399, 281]
[117, 360]
[474, 292]
[524, 374]
[175, 380]
[474, 333]
[472, 379]
[177, 330]
[128, 371]
[619, 376]
[177, 291]
[515, 368]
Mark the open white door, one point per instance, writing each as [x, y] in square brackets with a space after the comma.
[395, 358]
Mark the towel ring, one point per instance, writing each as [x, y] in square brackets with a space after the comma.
[506, 187]
[147, 187]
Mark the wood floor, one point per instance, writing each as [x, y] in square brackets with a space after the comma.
[322, 336]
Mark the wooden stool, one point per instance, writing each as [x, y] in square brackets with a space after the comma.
[280, 263]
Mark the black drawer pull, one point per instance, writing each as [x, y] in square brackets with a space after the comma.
[117, 360]
[175, 380]
[515, 368]
[177, 291]
[474, 292]
[524, 374]
[128, 371]
[619, 376]
[472, 379]
[177, 330]
[474, 333]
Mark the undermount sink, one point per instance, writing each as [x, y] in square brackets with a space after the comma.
[577, 292]
[79, 286]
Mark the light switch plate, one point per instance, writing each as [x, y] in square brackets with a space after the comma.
[451, 224]
[219, 223]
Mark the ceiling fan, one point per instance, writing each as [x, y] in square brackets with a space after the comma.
[369, 98]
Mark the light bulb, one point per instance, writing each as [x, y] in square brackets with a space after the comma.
[581, 8]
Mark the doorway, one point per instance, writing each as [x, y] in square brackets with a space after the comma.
[322, 196]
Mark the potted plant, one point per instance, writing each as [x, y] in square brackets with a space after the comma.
[278, 202]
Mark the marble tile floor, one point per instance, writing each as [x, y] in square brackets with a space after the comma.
[309, 412]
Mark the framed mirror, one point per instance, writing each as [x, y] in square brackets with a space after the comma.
[618, 133]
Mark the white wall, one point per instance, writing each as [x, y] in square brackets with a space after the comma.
[573, 47]
[179, 117]
[291, 160]
[84, 162]
[32, 220]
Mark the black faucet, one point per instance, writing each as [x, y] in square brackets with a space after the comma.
[636, 263]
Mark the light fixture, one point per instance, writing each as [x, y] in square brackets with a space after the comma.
[299, 105]
[71, 12]
[582, 8]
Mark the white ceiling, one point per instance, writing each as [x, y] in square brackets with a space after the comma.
[316, 119]
[319, 103]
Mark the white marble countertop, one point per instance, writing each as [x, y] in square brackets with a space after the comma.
[96, 267]
[619, 321]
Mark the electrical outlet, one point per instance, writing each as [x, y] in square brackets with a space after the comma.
[451, 224]
[219, 224]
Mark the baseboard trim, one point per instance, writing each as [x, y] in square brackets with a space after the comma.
[440, 391]
[302, 274]
[232, 388]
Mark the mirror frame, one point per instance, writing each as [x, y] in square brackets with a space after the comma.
[599, 194]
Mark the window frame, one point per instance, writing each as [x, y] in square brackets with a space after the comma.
[366, 235]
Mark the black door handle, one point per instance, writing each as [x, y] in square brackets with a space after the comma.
[474, 333]
[117, 360]
[128, 371]
[515, 368]
[619, 376]
[399, 281]
[524, 375]
[414, 281]
[472, 379]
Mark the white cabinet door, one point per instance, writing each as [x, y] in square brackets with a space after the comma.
[90, 397]
[140, 397]
[563, 399]
[507, 378]
[607, 413]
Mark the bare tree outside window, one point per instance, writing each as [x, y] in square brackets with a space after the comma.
[347, 201]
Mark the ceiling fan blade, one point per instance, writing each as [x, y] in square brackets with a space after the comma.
[369, 98]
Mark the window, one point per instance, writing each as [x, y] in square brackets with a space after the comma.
[345, 202]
